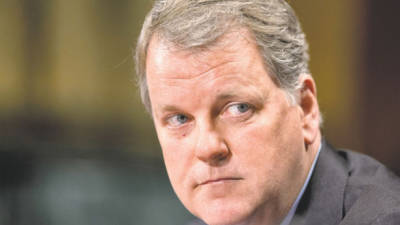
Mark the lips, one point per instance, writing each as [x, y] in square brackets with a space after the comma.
[224, 179]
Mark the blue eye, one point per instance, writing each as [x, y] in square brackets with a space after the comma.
[181, 118]
[177, 120]
[239, 108]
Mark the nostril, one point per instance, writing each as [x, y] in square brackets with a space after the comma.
[221, 156]
[219, 159]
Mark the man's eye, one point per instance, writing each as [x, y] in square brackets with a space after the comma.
[177, 120]
[238, 109]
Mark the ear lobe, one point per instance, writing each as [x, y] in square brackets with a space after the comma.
[309, 106]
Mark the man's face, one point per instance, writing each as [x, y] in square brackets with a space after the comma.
[233, 144]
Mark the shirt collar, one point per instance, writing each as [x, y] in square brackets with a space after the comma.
[290, 215]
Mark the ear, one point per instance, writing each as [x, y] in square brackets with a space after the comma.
[310, 110]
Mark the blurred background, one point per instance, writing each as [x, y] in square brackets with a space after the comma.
[76, 146]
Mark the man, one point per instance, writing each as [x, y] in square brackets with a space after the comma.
[235, 110]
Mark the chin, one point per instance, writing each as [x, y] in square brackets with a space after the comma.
[223, 213]
[223, 220]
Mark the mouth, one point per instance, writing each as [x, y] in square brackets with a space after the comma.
[220, 180]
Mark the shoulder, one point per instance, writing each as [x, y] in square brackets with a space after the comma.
[372, 192]
[372, 215]
[369, 179]
[388, 219]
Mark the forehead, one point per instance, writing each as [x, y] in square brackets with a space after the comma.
[232, 69]
[163, 56]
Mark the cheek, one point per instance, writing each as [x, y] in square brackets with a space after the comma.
[173, 156]
[177, 159]
[267, 146]
[255, 148]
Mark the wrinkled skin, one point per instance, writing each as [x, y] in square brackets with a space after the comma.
[237, 151]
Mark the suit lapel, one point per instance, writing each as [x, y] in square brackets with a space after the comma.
[322, 202]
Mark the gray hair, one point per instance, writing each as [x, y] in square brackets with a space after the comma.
[194, 24]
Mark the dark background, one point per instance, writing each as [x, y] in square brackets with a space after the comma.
[76, 146]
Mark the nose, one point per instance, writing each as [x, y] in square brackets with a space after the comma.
[211, 147]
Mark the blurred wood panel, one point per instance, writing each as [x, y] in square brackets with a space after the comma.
[11, 57]
[381, 104]
[74, 71]
[332, 29]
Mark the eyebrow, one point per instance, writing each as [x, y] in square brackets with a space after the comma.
[169, 108]
[238, 94]
[226, 95]
[222, 96]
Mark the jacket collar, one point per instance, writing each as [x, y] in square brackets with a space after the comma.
[322, 202]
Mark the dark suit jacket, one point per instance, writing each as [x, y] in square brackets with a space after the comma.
[348, 188]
